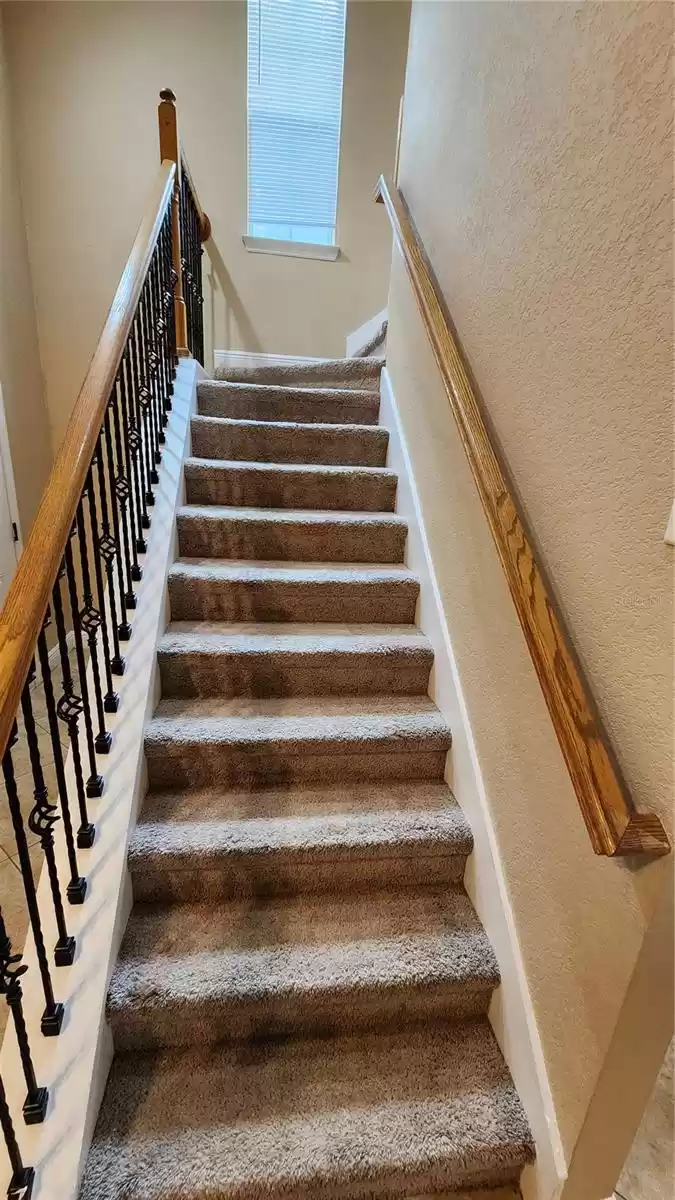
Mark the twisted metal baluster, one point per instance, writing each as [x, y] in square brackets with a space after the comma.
[124, 628]
[95, 780]
[52, 1017]
[136, 446]
[90, 620]
[42, 818]
[111, 700]
[11, 970]
[77, 886]
[128, 434]
[108, 549]
[68, 711]
[21, 1183]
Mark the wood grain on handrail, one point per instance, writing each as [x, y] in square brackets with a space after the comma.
[614, 826]
[28, 595]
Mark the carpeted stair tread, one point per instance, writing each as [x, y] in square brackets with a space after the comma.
[263, 402]
[289, 485]
[299, 723]
[219, 590]
[280, 534]
[288, 441]
[400, 1114]
[211, 659]
[215, 842]
[191, 973]
[335, 372]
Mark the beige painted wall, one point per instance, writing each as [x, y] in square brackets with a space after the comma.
[86, 79]
[543, 198]
[20, 368]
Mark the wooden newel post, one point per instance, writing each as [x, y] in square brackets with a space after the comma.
[169, 148]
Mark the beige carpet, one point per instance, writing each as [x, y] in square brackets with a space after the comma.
[299, 1007]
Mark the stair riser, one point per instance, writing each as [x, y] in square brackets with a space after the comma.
[266, 674]
[247, 405]
[211, 764]
[247, 488]
[284, 444]
[225, 600]
[286, 873]
[295, 1014]
[291, 542]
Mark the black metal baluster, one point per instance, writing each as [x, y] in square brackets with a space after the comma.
[150, 380]
[68, 711]
[159, 329]
[95, 780]
[122, 491]
[52, 1017]
[144, 451]
[136, 447]
[156, 325]
[21, 1183]
[124, 628]
[43, 817]
[129, 463]
[131, 468]
[111, 700]
[164, 289]
[35, 1104]
[90, 620]
[108, 548]
[77, 886]
[142, 395]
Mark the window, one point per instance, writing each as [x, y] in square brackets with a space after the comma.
[295, 72]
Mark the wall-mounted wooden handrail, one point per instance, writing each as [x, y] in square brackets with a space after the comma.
[29, 592]
[614, 826]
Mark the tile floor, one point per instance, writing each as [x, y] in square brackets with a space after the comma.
[649, 1174]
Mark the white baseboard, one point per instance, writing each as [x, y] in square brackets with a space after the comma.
[242, 358]
[74, 1065]
[511, 1012]
[361, 336]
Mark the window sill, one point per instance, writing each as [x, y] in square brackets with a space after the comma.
[290, 249]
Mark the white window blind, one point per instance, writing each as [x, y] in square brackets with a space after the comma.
[295, 73]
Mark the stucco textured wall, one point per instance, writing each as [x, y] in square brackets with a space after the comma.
[536, 161]
[86, 80]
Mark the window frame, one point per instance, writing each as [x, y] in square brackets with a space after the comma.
[288, 248]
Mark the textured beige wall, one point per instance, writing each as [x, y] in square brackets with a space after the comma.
[20, 369]
[543, 197]
[86, 79]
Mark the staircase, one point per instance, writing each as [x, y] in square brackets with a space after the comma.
[299, 1007]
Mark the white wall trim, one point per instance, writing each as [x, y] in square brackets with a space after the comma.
[511, 1012]
[361, 336]
[74, 1065]
[257, 245]
[242, 358]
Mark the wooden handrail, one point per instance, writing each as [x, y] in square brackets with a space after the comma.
[614, 826]
[26, 603]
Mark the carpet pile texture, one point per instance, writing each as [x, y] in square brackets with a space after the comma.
[299, 1009]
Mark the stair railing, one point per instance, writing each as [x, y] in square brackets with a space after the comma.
[193, 228]
[68, 612]
[615, 827]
